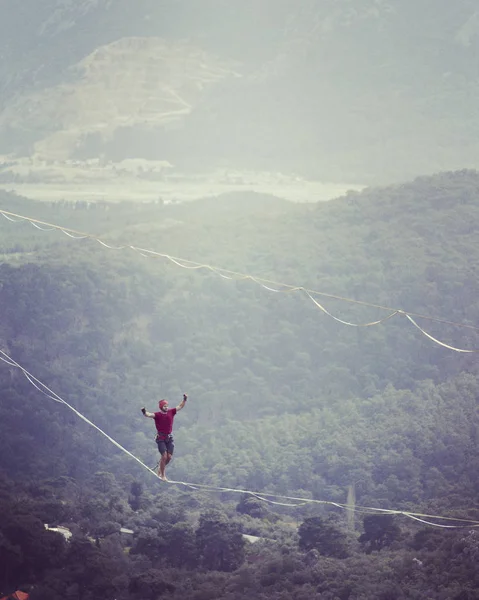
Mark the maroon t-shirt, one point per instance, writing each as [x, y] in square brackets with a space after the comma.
[164, 422]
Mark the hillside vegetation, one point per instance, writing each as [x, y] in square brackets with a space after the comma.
[282, 397]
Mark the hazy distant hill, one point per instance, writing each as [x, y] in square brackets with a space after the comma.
[368, 92]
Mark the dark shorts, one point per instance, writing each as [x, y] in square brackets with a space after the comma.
[167, 445]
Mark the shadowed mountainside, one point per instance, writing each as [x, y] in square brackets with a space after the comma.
[326, 89]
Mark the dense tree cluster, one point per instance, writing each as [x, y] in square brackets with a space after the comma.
[176, 552]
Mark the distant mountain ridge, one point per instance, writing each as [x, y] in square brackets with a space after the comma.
[133, 81]
[382, 91]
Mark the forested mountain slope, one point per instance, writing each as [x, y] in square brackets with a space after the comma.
[114, 331]
[282, 397]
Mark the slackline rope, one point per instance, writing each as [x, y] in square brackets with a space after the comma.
[234, 275]
[262, 496]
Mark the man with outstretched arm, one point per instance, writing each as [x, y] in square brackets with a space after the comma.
[164, 427]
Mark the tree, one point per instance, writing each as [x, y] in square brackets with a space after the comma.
[324, 536]
[150, 584]
[248, 505]
[11, 559]
[219, 543]
[149, 544]
[379, 531]
[134, 499]
[24, 538]
[182, 550]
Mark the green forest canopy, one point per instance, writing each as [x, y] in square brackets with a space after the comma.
[262, 369]
[282, 398]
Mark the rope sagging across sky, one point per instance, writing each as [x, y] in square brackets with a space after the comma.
[279, 287]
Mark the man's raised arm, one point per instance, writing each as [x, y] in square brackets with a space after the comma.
[147, 414]
[182, 403]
